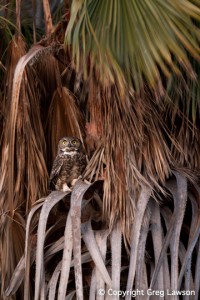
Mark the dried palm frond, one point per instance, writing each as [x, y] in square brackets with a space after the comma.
[22, 160]
[12, 233]
[24, 130]
[188, 138]
[181, 114]
[15, 51]
[64, 118]
[12, 230]
[130, 149]
[184, 93]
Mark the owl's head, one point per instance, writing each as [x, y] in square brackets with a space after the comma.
[69, 144]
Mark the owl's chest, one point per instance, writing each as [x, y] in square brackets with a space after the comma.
[70, 163]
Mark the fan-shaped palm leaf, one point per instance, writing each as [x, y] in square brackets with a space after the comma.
[134, 39]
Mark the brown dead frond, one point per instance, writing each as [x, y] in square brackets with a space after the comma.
[25, 137]
[181, 115]
[23, 164]
[16, 49]
[12, 245]
[187, 136]
[131, 150]
[64, 118]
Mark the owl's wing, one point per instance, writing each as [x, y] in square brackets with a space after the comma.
[57, 165]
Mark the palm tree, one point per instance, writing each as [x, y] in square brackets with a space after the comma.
[123, 76]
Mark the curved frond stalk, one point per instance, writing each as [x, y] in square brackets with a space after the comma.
[67, 253]
[49, 203]
[188, 253]
[140, 276]
[54, 281]
[136, 228]
[89, 239]
[28, 250]
[180, 200]
[17, 278]
[97, 279]
[157, 233]
[93, 286]
[56, 247]
[197, 273]
[76, 199]
[166, 243]
[194, 222]
[116, 245]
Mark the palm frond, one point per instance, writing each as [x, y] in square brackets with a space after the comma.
[26, 134]
[182, 244]
[130, 149]
[64, 118]
[12, 233]
[22, 158]
[181, 114]
[132, 39]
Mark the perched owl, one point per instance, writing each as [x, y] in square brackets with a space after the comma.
[68, 165]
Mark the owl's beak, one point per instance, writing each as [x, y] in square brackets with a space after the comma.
[68, 149]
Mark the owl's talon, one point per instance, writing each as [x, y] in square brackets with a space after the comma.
[75, 180]
[66, 188]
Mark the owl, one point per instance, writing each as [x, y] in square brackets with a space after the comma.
[68, 165]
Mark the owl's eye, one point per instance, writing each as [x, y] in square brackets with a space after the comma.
[74, 142]
[64, 143]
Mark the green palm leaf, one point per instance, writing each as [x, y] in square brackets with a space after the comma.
[135, 39]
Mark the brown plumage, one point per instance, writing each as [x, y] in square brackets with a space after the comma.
[68, 165]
